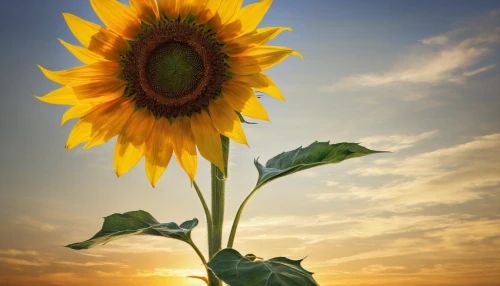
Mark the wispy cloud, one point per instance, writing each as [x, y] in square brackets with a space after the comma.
[395, 142]
[109, 274]
[166, 272]
[480, 70]
[436, 40]
[445, 176]
[91, 264]
[446, 58]
[23, 262]
[16, 252]
[379, 268]
[341, 227]
[35, 224]
[463, 77]
[457, 238]
[331, 183]
[24, 258]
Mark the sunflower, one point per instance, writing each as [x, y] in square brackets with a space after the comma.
[167, 77]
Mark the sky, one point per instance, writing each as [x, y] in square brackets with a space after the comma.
[418, 78]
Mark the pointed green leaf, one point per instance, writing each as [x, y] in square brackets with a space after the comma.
[237, 270]
[136, 223]
[316, 154]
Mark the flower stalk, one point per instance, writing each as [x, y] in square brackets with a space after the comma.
[218, 204]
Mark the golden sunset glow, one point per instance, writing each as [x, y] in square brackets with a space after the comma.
[417, 78]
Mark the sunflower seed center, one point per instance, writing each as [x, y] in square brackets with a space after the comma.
[175, 68]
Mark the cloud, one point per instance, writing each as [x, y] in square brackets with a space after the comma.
[480, 70]
[395, 142]
[91, 254]
[453, 175]
[167, 272]
[436, 40]
[339, 228]
[91, 264]
[378, 268]
[440, 59]
[263, 222]
[24, 257]
[16, 252]
[23, 262]
[412, 245]
[461, 269]
[331, 183]
[109, 274]
[35, 224]
[456, 238]
[463, 77]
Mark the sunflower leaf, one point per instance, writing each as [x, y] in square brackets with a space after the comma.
[316, 154]
[237, 270]
[136, 223]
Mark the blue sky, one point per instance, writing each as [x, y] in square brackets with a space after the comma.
[419, 78]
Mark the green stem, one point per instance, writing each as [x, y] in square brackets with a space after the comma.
[237, 218]
[200, 254]
[218, 201]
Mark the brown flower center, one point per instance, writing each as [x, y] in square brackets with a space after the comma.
[174, 68]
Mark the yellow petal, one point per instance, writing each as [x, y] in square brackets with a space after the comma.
[262, 83]
[258, 59]
[79, 134]
[130, 143]
[88, 93]
[226, 121]
[242, 99]
[108, 120]
[64, 95]
[83, 54]
[257, 37]
[99, 92]
[139, 126]
[246, 20]
[184, 146]
[207, 138]
[146, 10]
[169, 8]
[195, 6]
[158, 150]
[120, 18]
[83, 30]
[226, 12]
[126, 155]
[94, 72]
[76, 111]
[207, 10]
[184, 7]
[96, 38]
[269, 50]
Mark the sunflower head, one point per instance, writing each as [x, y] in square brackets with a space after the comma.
[167, 77]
